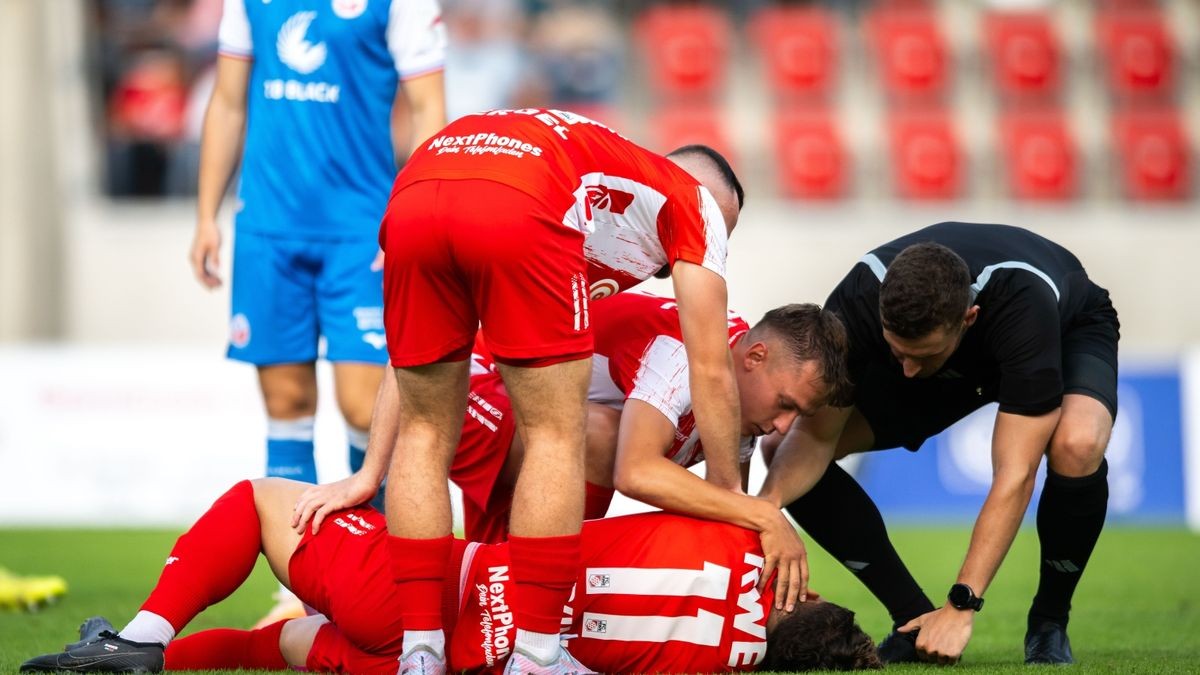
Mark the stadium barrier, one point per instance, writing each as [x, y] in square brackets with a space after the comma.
[149, 436]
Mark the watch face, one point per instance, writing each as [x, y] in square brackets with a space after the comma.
[960, 596]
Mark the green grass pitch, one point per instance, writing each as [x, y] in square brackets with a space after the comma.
[1137, 609]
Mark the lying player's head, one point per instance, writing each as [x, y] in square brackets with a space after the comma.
[925, 306]
[791, 363]
[713, 171]
[818, 636]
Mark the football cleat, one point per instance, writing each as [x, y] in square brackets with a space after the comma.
[90, 630]
[898, 647]
[29, 593]
[524, 663]
[108, 653]
[1046, 642]
[422, 660]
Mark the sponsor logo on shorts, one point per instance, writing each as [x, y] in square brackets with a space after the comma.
[369, 318]
[603, 289]
[172, 559]
[239, 331]
[605, 198]
[495, 616]
[375, 339]
[349, 9]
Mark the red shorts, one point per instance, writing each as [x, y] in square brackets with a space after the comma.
[464, 252]
[344, 572]
[487, 435]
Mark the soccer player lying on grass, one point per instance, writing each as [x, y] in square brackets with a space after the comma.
[790, 364]
[656, 593]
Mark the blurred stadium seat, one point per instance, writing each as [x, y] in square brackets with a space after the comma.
[1153, 154]
[686, 49]
[1025, 55]
[1137, 50]
[811, 160]
[685, 124]
[911, 57]
[926, 158]
[1039, 155]
[799, 47]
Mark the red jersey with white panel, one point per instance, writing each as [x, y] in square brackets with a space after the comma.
[656, 592]
[640, 355]
[638, 210]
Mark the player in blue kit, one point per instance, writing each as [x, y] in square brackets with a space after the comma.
[305, 89]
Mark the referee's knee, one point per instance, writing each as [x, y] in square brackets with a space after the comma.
[1077, 451]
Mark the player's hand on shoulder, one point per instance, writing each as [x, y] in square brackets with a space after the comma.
[319, 501]
[784, 553]
[205, 255]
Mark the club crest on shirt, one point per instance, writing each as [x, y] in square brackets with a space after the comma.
[595, 626]
[598, 580]
[349, 9]
[604, 198]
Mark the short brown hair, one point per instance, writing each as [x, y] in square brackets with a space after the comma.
[820, 636]
[813, 334]
[926, 287]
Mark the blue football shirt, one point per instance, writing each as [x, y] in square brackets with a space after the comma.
[318, 161]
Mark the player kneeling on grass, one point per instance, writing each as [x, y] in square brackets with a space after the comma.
[645, 600]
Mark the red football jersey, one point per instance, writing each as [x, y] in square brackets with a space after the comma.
[637, 209]
[640, 355]
[656, 592]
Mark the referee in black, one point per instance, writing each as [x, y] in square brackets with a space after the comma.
[942, 321]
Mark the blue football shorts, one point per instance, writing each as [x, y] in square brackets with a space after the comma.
[290, 293]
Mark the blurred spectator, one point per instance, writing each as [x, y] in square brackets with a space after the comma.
[145, 116]
[151, 56]
[485, 61]
[577, 49]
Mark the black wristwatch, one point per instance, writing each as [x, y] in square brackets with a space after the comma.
[962, 597]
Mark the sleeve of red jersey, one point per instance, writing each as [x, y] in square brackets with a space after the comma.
[691, 228]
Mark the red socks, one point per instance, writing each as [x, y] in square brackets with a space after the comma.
[543, 571]
[228, 649]
[419, 568]
[210, 560]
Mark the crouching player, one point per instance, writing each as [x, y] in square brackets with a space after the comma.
[646, 599]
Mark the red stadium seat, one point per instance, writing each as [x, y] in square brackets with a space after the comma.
[1039, 155]
[799, 48]
[811, 158]
[911, 56]
[679, 125]
[926, 157]
[1025, 54]
[1137, 50]
[686, 48]
[1154, 157]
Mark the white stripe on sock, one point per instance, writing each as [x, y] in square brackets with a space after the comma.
[300, 429]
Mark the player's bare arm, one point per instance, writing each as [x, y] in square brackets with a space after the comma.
[427, 105]
[220, 148]
[1018, 443]
[643, 472]
[803, 454]
[319, 501]
[702, 298]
